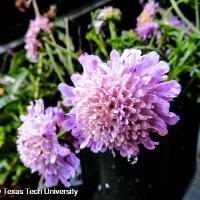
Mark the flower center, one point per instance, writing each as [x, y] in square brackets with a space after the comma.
[144, 17]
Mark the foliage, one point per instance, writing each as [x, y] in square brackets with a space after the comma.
[178, 46]
[24, 81]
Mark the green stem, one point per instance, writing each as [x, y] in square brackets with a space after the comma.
[197, 14]
[164, 13]
[152, 41]
[40, 184]
[36, 9]
[112, 29]
[182, 17]
[61, 134]
[185, 57]
[36, 88]
[103, 48]
[66, 62]
[68, 46]
[160, 44]
[99, 41]
[73, 55]
[172, 60]
[56, 67]
[38, 78]
[11, 168]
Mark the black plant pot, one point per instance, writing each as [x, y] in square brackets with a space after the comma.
[164, 173]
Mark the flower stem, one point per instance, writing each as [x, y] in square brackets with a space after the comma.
[197, 14]
[69, 48]
[102, 47]
[61, 134]
[152, 41]
[160, 44]
[62, 54]
[73, 55]
[56, 67]
[101, 44]
[36, 9]
[182, 17]
[40, 184]
[112, 29]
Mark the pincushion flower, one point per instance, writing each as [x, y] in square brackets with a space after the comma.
[119, 104]
[31, 41]
[39, 148]
[174, 21]
[107, 13]
[146, 26]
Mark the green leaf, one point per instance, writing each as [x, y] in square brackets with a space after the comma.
[13, 89]
[17, 61]
[19, 80]
[2, 137]
[6, 99]
[5, 168]
[198, 99]
[18, 172]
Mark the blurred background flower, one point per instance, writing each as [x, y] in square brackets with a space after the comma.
[39, 148]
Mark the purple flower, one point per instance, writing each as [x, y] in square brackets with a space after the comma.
[97, 25]
[174, 21]
[146, 26]
[39, 148]
[119, 104]
[31, 42]
[146, 30]
[105, 14]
